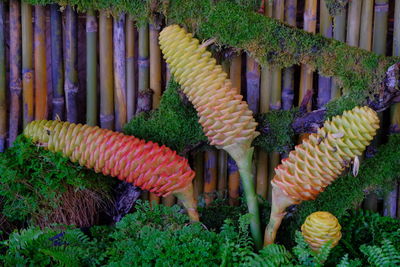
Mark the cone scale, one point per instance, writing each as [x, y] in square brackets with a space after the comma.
[226, 119]
[145, 164]
[318, 161]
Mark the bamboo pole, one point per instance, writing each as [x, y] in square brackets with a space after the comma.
[27, 65]
[275, 97]
[210, 175]
[91, 68]
[15, 70]
[233, 171]
[380, 26]
[119, 72]
[306, 73]
[353, 23]
[339, 33]
[144, 101]
[252, 84]
[41, 111]
[198, 182]
[288, 73]
[395, 109]
[71, 73]
[367, 14]
[57, 68]
[106, 72]
[155, 86]
[130, 69]
[3, 89]
[324, 83]
[262, 183]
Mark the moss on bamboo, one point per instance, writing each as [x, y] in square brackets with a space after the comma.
[173, 124]
[336, 6]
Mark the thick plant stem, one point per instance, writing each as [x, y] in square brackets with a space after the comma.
[281, 202]
[188, 201]
[27, 65]
[91, 68]
[15, 70]
[246, 173]
[106, 72]
[119, 72]
[3, 89]
[71, 72]
[57, 69]
[130, 69]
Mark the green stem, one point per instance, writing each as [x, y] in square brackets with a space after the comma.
[246, 174]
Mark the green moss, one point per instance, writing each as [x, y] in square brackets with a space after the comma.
[173, 124]
[380, 171]
[336, 6]
[276, 131]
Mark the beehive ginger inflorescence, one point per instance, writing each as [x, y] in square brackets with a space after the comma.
[225, 118]
[145, 164]
[318, 161]
[321, 227]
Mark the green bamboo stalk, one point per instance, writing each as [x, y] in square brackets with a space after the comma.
[288, 73]
[15, 70]
[119, 72]
[106, 72]
[71, 73]
[380, 26]
[27, 64]
[3, 89]
[57, 67]
[339, 33]
[144, 101]
[130, 69]
[353, 23]
[367, 14]
[324, 83]
[91, 68]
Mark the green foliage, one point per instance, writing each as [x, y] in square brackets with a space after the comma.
[173, 124]
[276, 131]
[49, 247]
[383, 256]
[33, 181]
[380, 171]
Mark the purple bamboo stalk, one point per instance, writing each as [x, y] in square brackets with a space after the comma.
[253, 84]
[71, 73]
[15, 70]
[3, 89]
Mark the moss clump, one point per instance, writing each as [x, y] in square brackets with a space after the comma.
[335, 7]
[379, 171]
[276, 130]
[173, 124]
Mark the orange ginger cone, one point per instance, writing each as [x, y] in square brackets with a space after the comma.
[226, 119]
[318, 161]
[145, 164]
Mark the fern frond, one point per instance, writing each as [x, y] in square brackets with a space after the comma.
[385, 255]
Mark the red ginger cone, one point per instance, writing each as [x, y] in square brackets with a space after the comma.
[145, 164]
[318, 161]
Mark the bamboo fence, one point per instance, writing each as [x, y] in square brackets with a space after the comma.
[125, 75]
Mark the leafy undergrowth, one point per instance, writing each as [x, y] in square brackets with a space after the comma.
[163, 236]
[41, 187]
